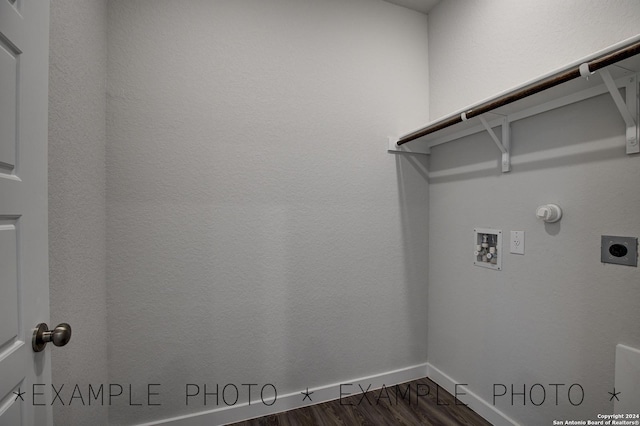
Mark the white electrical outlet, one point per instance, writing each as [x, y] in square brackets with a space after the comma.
[516, 245]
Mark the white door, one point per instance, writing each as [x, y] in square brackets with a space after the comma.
[24, 281]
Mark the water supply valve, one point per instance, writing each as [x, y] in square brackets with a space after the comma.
[488, 244]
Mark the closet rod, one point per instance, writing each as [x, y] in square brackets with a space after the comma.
[547, 83]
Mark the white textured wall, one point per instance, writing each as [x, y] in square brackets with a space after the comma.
[258, 230]
[478, 48]
[77, 214]
[555, 314]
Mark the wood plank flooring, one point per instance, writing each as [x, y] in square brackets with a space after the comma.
[381, 408]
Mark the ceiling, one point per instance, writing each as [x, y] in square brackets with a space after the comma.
[423, 6]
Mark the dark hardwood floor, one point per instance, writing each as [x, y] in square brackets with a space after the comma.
[381, 408]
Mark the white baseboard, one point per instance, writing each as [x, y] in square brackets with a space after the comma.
[240, 412]
[477, 404]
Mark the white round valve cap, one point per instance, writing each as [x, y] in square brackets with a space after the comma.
[549, 213]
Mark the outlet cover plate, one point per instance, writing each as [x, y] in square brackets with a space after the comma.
[516, 243]
[619, 250]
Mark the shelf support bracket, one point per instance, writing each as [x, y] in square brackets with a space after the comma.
[406, 149]
[628, 109]
[504, 144]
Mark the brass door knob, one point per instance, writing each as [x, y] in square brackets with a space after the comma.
[59, 336]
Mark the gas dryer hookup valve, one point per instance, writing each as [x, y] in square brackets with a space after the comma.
[550, 213]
